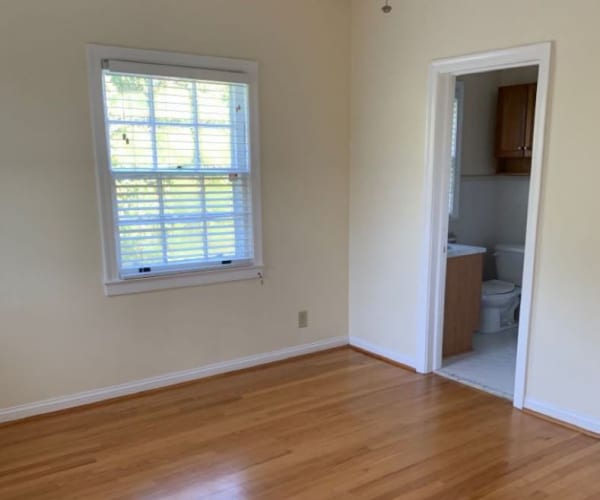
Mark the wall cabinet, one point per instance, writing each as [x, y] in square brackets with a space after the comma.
[462, 303]
[514, 128]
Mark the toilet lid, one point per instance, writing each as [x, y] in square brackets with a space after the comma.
[497, 287]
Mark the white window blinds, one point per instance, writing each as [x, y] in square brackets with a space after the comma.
[179, 159]
[453, 154]
[455, 150]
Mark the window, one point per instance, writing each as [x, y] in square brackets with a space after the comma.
[457, 118]
[178, 176]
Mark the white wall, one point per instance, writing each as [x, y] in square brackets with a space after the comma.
[479, 123]
[59, 333]
[391, 55]
[493, 209]
[513, 197]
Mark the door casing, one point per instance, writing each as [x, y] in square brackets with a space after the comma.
[442, 77]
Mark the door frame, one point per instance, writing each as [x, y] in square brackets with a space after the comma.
[442, 77]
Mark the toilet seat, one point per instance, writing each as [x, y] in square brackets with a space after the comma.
[497, 287]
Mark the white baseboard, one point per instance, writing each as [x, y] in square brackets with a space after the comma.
[380, 351]
[582, 421]
[93, 396]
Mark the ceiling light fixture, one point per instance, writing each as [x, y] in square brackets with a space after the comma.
[387, 8]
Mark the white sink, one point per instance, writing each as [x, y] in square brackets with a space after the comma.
[457, 250]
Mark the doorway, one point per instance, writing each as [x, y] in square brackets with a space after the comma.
[439, 184]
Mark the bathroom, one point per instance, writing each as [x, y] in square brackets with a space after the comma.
[489, 190]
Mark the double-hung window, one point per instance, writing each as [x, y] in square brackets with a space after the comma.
[177, 168]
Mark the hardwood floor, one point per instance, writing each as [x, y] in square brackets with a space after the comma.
[334, 425]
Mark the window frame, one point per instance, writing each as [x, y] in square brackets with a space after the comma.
[114, 284]
[459, 97]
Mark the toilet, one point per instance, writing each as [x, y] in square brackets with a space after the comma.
[501, 297]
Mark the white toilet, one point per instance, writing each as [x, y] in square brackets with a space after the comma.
[500, 298]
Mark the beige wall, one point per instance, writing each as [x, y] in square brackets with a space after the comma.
[59, 334]
[391, 55]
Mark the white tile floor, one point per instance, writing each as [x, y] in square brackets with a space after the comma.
[491, 365]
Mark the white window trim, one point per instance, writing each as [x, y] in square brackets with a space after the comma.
[113, 283]
[459, 95]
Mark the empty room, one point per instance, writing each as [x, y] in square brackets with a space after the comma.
[300, 249]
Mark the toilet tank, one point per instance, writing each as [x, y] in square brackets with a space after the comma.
[509, 262]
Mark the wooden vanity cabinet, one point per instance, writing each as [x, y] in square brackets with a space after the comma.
[462, 304]
[514, 128]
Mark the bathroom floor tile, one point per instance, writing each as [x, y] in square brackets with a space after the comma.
[491, 365]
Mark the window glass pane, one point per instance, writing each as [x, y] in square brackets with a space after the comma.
[183, 196]
[173, 100]
[219, 195]
[221, 238]
[127, 97]
[137, 198]
[175, 146]
[186, 241]
[214, 103]
[140, 245]
[130, 147]
[215, 147]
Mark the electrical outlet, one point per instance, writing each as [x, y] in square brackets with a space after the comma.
[303, 319]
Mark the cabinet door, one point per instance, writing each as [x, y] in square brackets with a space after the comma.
[463, 302]
[530, 119]
[511, 121]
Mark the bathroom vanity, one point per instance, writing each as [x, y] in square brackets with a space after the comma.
[464, 273]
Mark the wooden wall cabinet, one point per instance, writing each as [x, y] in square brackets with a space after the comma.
[462, 303]
[514, 128]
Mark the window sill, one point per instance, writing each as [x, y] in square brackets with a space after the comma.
[154, 283]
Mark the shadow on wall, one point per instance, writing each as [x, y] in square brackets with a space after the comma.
[493, 209]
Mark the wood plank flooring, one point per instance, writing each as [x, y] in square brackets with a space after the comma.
[334, 425]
